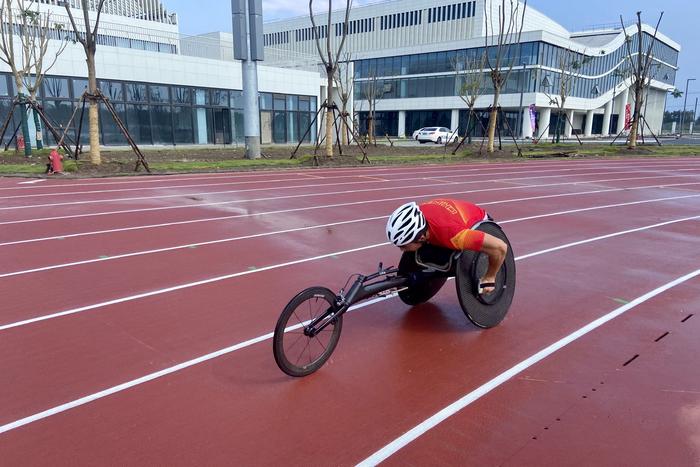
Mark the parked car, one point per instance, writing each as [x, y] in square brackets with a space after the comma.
[437, 135]
[415, 133]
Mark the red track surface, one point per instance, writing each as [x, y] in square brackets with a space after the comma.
[89, 318]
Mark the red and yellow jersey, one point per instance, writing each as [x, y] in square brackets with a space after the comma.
[450, 222]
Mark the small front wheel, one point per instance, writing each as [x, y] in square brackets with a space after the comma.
[297, 352]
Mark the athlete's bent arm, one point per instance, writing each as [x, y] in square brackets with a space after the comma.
[496, 250]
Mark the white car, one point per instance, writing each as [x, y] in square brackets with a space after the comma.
[437, 135]
[415, 133]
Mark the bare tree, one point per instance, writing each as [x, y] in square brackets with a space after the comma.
[87, 39]
[330, 61]
[511, 19]
[34, 31]
[570, 62]
[640, 67]
[372, 91]
[344, 79]
[470, 83]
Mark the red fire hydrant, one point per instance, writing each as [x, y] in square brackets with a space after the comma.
[20, 142]
[55, 164]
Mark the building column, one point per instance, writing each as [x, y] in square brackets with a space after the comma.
[567, 125]
[526, 130]
[543, 123]
[606, 118]
[454, 121]
[402, 124]
[621, 113]
[588, 129]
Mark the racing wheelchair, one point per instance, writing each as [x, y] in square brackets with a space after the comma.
[309, 327]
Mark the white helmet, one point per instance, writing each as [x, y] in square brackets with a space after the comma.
[405, 224]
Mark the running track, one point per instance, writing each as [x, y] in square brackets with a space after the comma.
[137, 314]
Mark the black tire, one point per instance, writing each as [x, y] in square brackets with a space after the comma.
[439, 140]
[489, 310]
[422, 291]
[307, 305]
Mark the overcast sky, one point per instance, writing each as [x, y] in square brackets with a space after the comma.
[680, 19]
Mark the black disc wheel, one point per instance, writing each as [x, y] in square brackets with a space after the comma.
[485, 311]
[422, 291]
[297, 351]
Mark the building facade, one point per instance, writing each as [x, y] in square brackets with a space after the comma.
[411, 51]
[168, 88]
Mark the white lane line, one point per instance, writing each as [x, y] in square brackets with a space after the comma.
[431, 422]
[309, 208]
[329, 193]
[30, 182]
[185, 195]
[300, 229]
[181, 286]
[121, 190]
[277, 266]
[167, 371]
[386, 171]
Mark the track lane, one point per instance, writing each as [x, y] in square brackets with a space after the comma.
[241, 397]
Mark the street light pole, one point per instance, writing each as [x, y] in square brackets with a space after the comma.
[685, 101]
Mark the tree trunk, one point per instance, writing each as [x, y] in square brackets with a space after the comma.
[469, 125]
[634, 130]
[329, 117]
[39, 134]
[344, 126]
[93, 113]
[493, 120]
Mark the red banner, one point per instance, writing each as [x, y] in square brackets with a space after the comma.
[628, 116]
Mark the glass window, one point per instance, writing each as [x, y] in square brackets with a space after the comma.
[159, 93]
[182, 125]
[4, 88]
[200, 96]
[237, 99]
[304, 104]
[79, 87]
[313, 104]
[279, 127]
[292, 103]
[265, 101]
[111, 134]
[54, 87]
[135, 92]
[112, 90]
[218, 97]
[279, 102]
[161, 124]
[139, 123]
[292, 127]
[182, 95]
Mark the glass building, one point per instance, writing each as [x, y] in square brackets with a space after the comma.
[167, 88]
[414, 51]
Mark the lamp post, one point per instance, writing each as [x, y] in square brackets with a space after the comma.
[685, 101]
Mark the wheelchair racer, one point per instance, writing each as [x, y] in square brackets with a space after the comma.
[448, 224]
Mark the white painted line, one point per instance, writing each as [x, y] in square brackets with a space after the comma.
[167, 371]
[346, 172]
[383, 200]
[31, 182]
[277, 266]
[181, 286]
[419, 430]
[184, 195]
[329, 193]
[299, 229]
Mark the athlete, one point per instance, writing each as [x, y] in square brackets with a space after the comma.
[448, 224]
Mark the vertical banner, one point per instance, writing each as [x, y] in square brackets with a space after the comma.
[628, 116]
[533, 118]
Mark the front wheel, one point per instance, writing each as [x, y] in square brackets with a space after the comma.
[439, 141]
[296, 352]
